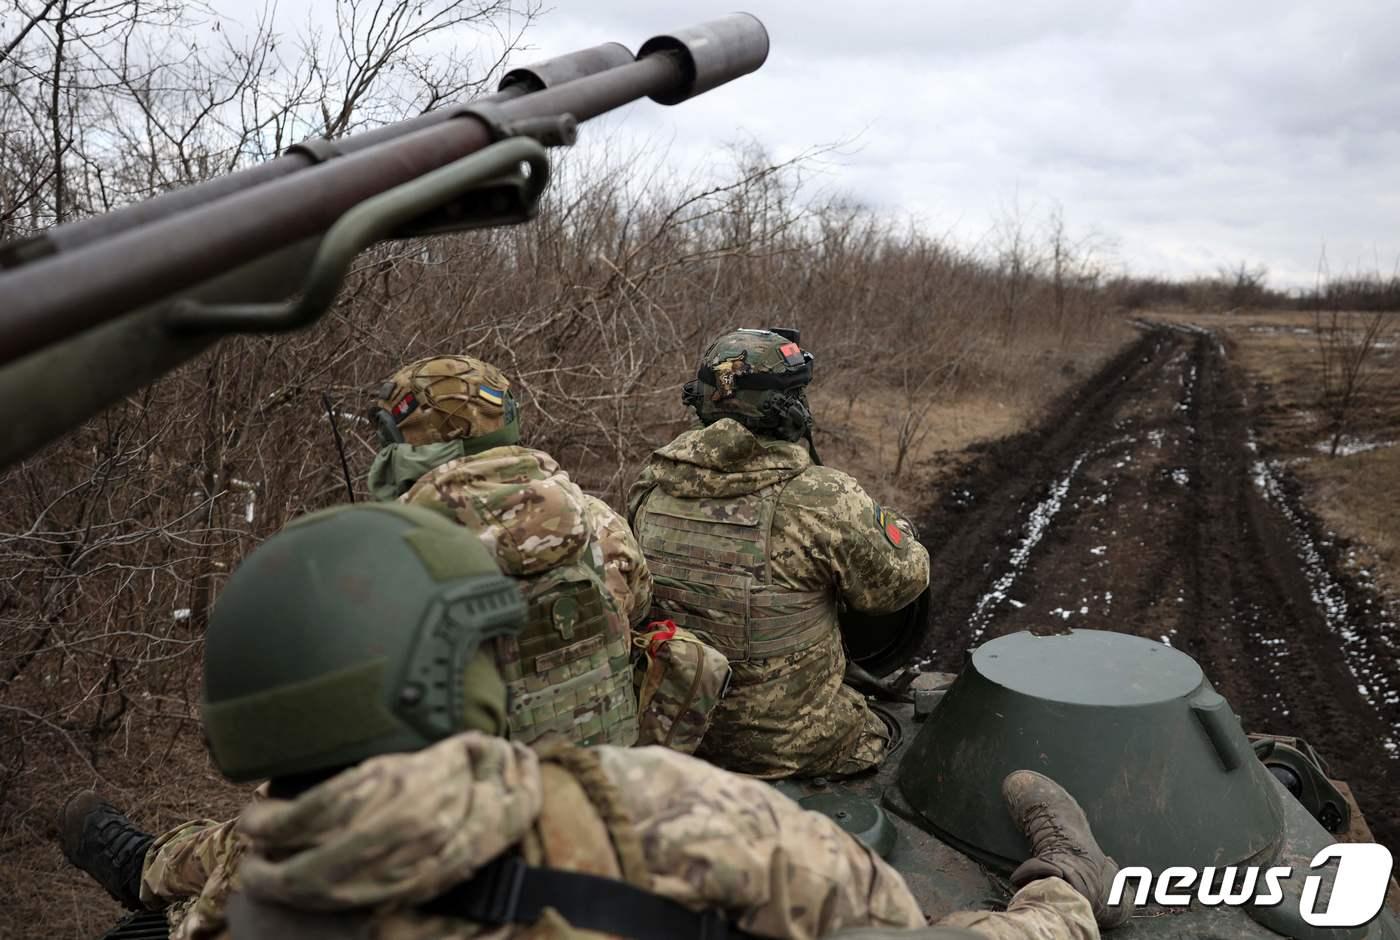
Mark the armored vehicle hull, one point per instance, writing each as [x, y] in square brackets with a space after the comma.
[1157, 758]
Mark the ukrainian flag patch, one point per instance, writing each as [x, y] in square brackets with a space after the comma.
[493, 395]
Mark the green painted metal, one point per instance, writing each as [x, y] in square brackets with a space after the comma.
[510, 197]
[861, 817]
[1131, 727]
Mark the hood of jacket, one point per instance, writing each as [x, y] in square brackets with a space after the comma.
[724, 459]
[524, 508]
[397, 829]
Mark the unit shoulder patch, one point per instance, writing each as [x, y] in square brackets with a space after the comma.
[888, 524]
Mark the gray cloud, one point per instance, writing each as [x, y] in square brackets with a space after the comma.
[1194, 134]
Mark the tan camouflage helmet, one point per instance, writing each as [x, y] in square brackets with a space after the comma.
[447, 398]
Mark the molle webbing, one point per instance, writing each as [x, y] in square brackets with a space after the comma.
[569, 671]
[709, 561]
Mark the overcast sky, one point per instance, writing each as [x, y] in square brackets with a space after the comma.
[1191, 135]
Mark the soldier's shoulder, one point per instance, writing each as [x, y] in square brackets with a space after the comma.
[824, 488]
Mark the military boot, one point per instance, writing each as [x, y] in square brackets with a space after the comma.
[106, 845]
[1061, 844]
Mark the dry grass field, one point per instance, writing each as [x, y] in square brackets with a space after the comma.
[1010, 395]
[1357, 492]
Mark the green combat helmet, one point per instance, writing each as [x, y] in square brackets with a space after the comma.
[354, 632]
[757, 378]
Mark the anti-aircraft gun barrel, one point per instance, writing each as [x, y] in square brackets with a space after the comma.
[92, 311]
[514, 84]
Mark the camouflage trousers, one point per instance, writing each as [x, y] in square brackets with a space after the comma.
[1048, 909]
[190, 869]
[792, 716]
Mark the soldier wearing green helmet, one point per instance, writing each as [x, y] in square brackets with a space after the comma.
[756, 548]
[346, 661]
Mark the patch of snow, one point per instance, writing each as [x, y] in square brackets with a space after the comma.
[1098, 550]
[1330, 598]
[183, 613]
[1351, 445]
[1036, 525]
[1181, 476]
[1188, 384]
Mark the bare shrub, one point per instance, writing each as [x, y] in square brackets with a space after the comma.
[1346, 346]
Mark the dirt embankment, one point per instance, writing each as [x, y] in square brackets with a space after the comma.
[1144, 504]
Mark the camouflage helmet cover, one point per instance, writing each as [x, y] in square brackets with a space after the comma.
[447, 398]
[353, 632]
[756, 377]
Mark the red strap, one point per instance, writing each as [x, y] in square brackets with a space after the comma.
[661, 631]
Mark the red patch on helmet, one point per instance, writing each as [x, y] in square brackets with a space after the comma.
[792, 353]
[404, 408]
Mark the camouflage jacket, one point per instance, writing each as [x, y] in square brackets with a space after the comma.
[532, 516]
[828, 534]
[569, 670]
[790, 714]
[399, 830]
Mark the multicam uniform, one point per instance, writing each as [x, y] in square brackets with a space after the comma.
[585, 579]
[399, 830]
[431, 791]
[753, 547]
[582, 572]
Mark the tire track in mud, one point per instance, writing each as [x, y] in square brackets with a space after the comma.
[1141, 505]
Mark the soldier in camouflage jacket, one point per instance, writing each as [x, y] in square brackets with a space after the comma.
[754, 547]
[391, 789]
[453, 430]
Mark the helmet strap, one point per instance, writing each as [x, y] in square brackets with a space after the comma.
[812, 448]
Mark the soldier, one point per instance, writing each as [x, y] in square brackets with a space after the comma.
[396, 809]
[755, 548]
[451, 430]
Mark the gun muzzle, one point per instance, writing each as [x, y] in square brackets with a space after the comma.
[566, 68]
[711, 53]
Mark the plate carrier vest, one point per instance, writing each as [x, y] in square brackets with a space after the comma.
[569, 670]
[710, 561]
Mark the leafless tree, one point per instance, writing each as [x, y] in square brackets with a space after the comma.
[1346, 344]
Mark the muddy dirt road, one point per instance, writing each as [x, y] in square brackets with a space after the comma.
[1144, 505]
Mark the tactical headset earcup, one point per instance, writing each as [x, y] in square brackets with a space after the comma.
[386, 427]
[691, 395]
[785, 416]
